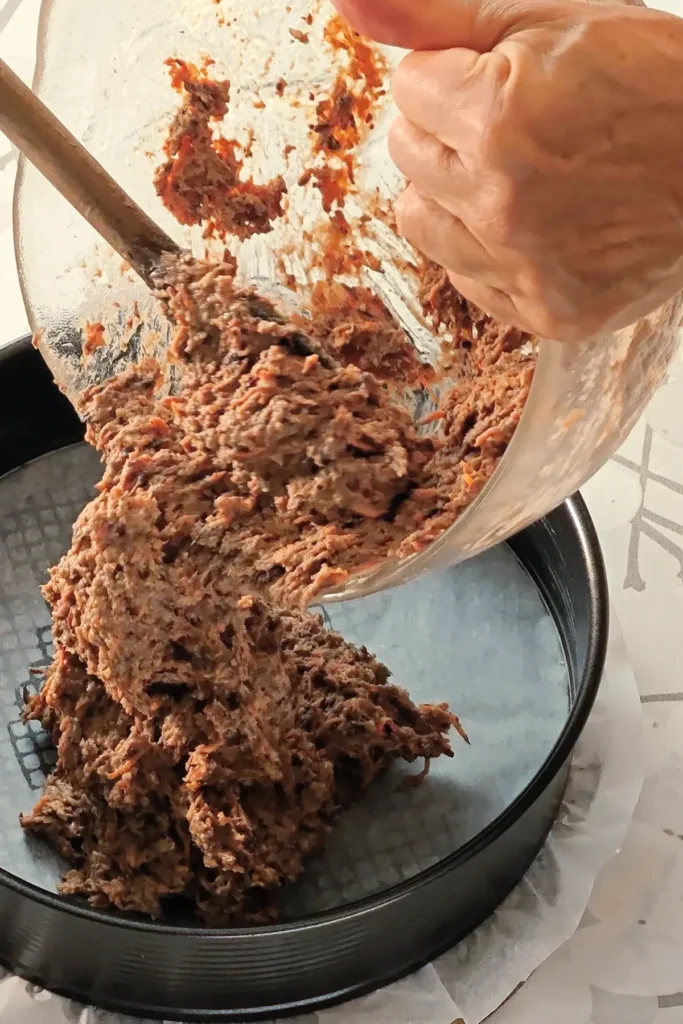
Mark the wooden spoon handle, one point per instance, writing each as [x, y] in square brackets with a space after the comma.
[44, 140]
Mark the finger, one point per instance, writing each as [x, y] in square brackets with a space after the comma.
[407, 24]
[452, 94]
[436, 170]
[493, 301]
[443, 238]
[439, 24]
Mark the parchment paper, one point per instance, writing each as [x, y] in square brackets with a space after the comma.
[471, 981]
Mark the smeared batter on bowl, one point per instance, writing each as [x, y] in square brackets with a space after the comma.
[200, 181]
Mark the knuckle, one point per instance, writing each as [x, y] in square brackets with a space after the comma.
[404, 79]
[405, 211]
[414, 218]
[549, 321]
[447, 163]
[548, 326]
[498, 68]
[399, 140]
[496, 209]
[530, 282]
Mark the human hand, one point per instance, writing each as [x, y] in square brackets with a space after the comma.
[541, 141]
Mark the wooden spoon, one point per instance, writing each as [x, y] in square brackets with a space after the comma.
[67, 165]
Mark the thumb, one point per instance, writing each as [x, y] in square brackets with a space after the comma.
[441, 24]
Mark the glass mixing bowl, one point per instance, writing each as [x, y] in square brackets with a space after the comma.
[101, 69]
